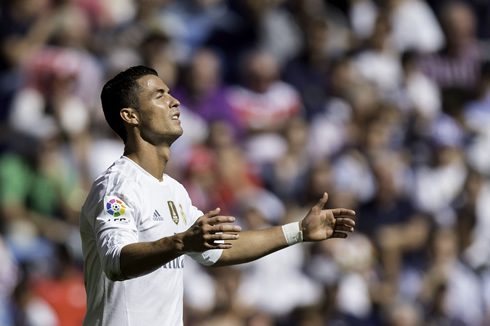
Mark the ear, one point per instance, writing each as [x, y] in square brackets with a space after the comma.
[129, 116]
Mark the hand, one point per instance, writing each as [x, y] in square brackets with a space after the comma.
[201, 236]
[321, 224]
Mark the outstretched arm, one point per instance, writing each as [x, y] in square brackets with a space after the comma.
[141, 258]
[319, 224]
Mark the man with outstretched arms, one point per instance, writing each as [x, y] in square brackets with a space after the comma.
[137, 222]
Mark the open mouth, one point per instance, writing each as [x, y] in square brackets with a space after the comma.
[175, 116]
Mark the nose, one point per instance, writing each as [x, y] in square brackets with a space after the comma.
[174, 102]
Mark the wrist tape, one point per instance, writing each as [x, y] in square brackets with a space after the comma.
[292, 233]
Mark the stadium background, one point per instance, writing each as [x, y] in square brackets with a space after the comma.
[384, 104]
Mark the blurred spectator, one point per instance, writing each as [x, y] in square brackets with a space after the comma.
[395, 124]
[189, 23]
[45, 184]
[450, 288]
[415, 27]
[458, 64]
[379, 62]
[308, 72]
[288, 175]
[356, 268]
[353, 176]
[57, 79]
[423, 95]
[30, 309]
[390, 205]
[476, 118]
[319, 177]
[9, 275]
[120, 43]
[24, 26]
[471, 239]
[65, 291]
[157, 53]
[437, 186]
[254, 24]
[332, 129]
[477, 111]
[263, 105]
[274, 284]
[182, 149]
[227, 310]
[202, 91]
[146, 19]
[305, 11]
[201, 178]
[362, 17]
[396, 228]
[404, 314]
[236, 177]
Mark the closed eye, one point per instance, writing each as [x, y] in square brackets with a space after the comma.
[159, 93]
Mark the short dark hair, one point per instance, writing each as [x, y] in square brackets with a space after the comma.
[122, 92]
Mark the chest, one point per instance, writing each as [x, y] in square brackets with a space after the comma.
[165, 213]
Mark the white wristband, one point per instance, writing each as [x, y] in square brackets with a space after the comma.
[292, 233]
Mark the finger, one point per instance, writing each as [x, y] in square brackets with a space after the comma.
[221, 219]
[343, 212]
[214, 212]
[345, 221]
[218, 246]
[338, 235]
[225, 228]
[220, 236]
[321, 202]
[210, 214]
[343, 228]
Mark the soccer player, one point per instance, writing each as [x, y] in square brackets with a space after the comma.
[137, 222]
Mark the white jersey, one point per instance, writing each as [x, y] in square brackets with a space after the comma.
[126, 205]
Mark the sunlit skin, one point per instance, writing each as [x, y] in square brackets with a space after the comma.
[151, 130]
[157, 108]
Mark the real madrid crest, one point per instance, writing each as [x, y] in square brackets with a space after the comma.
[173, 212]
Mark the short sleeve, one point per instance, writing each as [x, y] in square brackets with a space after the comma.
[206, 258]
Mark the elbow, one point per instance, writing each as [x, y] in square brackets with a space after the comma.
[111, 266]
[217, 264]
[113, 276]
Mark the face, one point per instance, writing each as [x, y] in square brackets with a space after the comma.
[158, 117]
[204, 76]
[262, 71]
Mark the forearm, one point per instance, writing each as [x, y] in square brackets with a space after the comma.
[253, 245]
[138, 259]
[318, 225]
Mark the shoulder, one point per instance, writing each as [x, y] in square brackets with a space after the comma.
[120, 176]
[178, 189]
[174, 184]
[117, 181]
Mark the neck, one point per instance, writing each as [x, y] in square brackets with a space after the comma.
[153, 159]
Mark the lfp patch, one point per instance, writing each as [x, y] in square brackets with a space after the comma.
[115, 207]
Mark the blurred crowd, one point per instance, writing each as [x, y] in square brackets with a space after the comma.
[384, 104]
